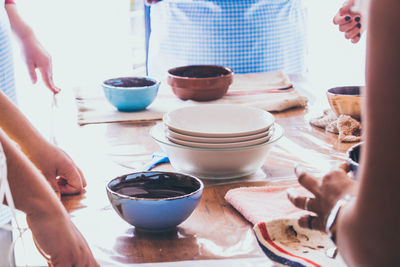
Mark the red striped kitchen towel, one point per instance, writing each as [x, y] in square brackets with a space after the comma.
[276, 228]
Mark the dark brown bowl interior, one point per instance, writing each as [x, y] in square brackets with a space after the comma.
[200, 71]
[200, 82]
[130, 82]
[345, 90]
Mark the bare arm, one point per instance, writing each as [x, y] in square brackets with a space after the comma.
[36, 56]
[46, 216]
[52, 161]
[371, 225]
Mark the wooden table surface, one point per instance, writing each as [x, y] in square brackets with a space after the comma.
[215, 230]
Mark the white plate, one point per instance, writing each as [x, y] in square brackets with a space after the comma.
[205, 139]
[221, 145]
[214, 120]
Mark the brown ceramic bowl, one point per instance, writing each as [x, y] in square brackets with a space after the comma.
[200, 82]
[345, 100]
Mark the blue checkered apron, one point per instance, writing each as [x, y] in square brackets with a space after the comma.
[245, 35]
[7, 81]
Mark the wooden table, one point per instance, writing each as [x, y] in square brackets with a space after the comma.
[215, 230]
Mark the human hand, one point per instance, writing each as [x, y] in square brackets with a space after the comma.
[349, 22]
[59, 241]
[327, 191]
[36, 57]
[60, 171]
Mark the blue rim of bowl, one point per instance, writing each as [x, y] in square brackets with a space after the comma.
[203, 78]
[278, 133]
[155, 199]
[131, 88]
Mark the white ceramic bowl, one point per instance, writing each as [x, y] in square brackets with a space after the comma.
[205, 139]
[218, 163]
[215, 120]
[238, 144]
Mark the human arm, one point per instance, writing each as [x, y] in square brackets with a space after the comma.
[36, 56]
[375, 212]
[368, 230]
[326, 192]
[350, 22]
[51, 160]
[52, 229]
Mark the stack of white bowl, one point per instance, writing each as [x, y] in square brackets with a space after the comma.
[217, 141]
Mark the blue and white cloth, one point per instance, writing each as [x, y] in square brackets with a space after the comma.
[245, 35]
[7, 79]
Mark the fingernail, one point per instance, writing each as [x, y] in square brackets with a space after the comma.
[298, 170]
[357, 19]
[359, 35]
[291, 192]
[359, 25]
[347, 18]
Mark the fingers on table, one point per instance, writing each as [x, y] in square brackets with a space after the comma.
[84, 183]
[308, 181]
[345, 166]
[312, 222]
[301, 202]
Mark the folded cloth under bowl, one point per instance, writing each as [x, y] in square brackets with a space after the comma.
[276, 228]
[271, 91]
[347, 127]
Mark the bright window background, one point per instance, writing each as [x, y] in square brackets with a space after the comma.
[91, 40]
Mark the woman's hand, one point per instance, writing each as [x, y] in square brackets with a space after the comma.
[36, 57]
[59, 241]
[349, 22]
[327, 191]
[59, 169]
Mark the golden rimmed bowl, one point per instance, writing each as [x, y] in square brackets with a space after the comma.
[345, 100]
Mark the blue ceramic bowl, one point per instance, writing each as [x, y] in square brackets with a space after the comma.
[353, 157]
[131, 93]
[155, 201]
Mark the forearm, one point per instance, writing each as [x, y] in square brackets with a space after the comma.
[369, 233]
[18, 25]
[19, 129]
[31, 192]
[354, 240]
